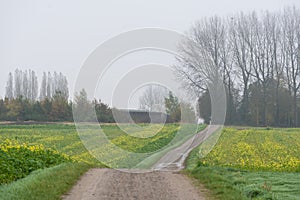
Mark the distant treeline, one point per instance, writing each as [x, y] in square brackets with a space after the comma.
[54, 109]
[59, 109]
[24, 101]
[23, 104]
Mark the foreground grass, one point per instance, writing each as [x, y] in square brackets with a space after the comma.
[46, 184]
[221, 170]
[232, 184]
[52, 183]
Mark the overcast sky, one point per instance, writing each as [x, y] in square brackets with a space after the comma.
[59, 35]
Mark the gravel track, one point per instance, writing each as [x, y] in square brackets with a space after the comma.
[109, 184]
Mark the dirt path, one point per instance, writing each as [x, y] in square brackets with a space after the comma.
[165, 183]
[109, 184]
[174, 159]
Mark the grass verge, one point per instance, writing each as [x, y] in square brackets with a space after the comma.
[216, 183]
[46, 184]
[234, 183]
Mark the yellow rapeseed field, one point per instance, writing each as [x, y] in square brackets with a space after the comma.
[257, 149]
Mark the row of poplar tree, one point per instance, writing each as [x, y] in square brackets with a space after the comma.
[25, 84]
[25, 101]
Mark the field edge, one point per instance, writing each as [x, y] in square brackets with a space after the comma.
[50, 183]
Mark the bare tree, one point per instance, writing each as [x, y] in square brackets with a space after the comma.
[201, 58]
[291, 39]
[24, 86]
[241, 37]
[43, 90]
[18, 83]
[62, 85]
[49, 86]
[204, 61]
[278, 61]
[261, 56]
[153, 98]
[9, 87]
[33, 86]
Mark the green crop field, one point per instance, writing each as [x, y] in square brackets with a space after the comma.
[252, 163]
[44, 161]
[37, 155]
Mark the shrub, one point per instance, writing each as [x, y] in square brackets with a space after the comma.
[19, 160]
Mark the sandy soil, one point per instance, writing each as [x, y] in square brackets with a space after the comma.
[109, 184]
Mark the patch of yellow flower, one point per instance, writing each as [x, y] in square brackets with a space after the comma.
[257, 149]
[9, 144]
[12, 144]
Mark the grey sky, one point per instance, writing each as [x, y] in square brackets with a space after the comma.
[59, 35]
